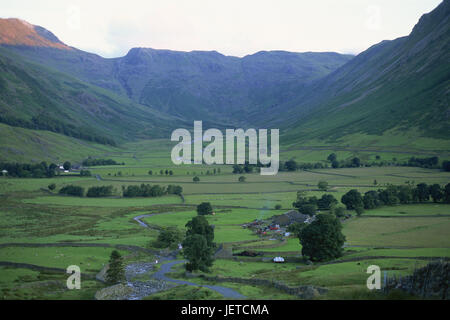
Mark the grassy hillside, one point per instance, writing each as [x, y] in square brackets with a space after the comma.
[25, 145]
[394, 89]
[37, 97]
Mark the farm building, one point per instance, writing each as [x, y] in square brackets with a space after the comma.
[290, 217]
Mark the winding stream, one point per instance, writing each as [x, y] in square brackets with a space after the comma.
[147, 287]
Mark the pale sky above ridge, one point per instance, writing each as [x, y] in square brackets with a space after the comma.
[232, 27]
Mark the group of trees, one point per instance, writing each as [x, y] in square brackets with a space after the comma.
[77, 191]
[310, 205]
[243, 168]
[162, 172]
[26, 170]
[100, 162]
[292, 165]
[99, 192]
[38, 170]
[430, 162]
[147, 190]
[393, 195]
[72, 190]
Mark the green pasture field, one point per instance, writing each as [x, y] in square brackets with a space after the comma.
[103, 202]
[400, 232]
[429, 209]
[89, 259]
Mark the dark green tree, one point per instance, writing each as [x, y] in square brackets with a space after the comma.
[436, 192]
[421, 193]
[204, 209]
[352, 199]
[199, 246]
[371, 200]
[52, 186]
[67, 165]
[308, 209]
[196, 179]
[169, 237]
[322, 185]
[326, 202]
[447, 193]
[446, 165]
[241, 179]
[291, 165]
[115, 272]
[198, 253]
[332, 157]
[322, 240]
[356, 162]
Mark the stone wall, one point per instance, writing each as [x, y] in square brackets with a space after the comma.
[430, 281]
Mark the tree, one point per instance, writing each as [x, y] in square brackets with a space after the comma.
[67, 165]
[198, 244]
[322, 239]
[421, 193]
[52, 186]
[352, 199]
[335, 164]
[291, 165]
[204, 209]
[198, 253]
[170, 173]
[359, 211]
[169, 237]
[332, 157]
[447, 193]
[339, 212]
[115, 272]
[371, 200]
[150, 172]
[446, 165]
[356, 162]
[241, 179]
[296, 227]
[196, 179]
[85, 173]
[326, 202]
[199, 225]
[322, 185]
[436, 192]
[308, 209]
[389, 196]
[278, 207]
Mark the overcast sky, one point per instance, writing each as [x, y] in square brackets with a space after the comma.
[232, 27]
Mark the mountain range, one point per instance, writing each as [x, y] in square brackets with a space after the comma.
[395, 88]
